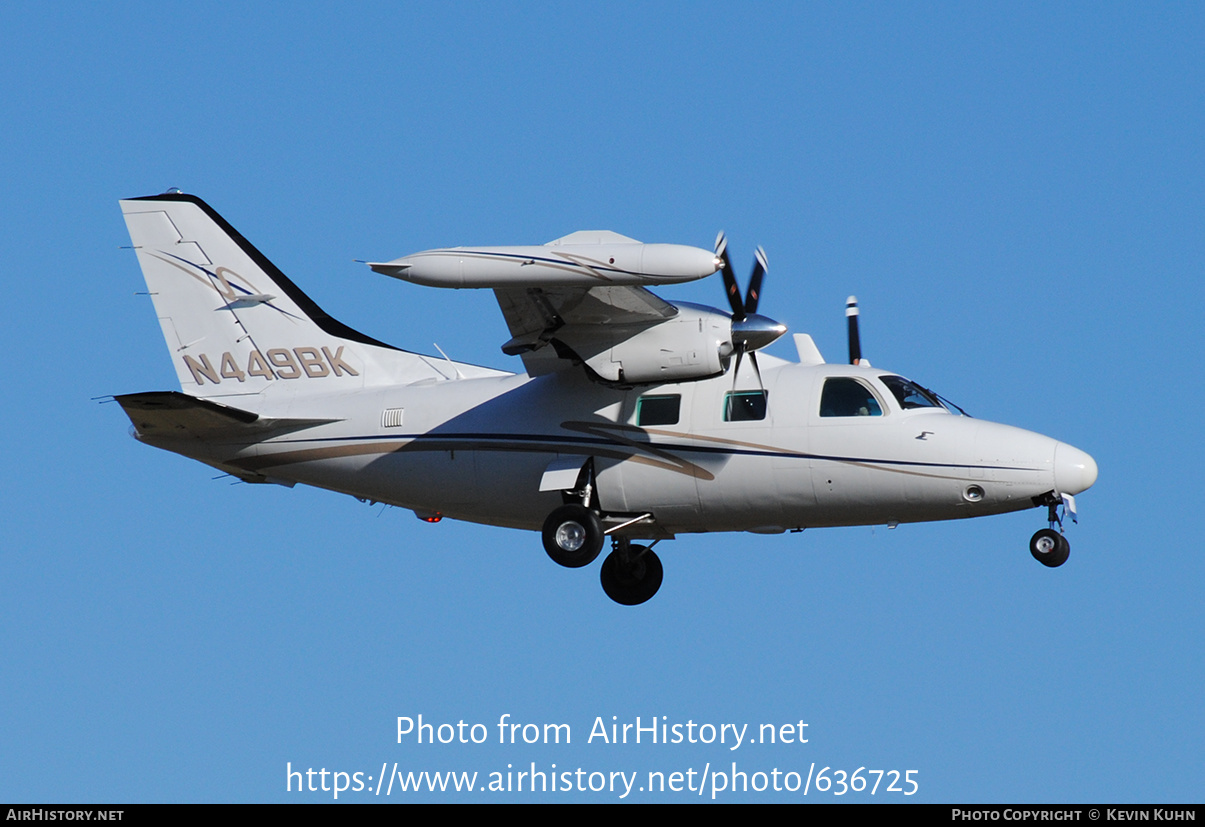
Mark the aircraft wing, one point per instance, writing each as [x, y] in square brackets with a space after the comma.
[581, 300]
[536, 316]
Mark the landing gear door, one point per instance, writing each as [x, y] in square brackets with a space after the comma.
[563, 472]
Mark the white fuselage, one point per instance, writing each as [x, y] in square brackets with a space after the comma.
[477, 449]
[633, 419]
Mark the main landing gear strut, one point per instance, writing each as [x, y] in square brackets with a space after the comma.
[1048, 546]
[573, 537]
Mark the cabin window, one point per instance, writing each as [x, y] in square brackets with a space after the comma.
[745, 406]
[658, 410]
[843, 396]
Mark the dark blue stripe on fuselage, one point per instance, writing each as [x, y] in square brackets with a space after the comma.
[549, 445]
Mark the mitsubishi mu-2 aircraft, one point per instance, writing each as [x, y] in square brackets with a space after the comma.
[634, 420]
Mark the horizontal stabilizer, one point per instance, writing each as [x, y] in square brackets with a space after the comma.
[175, 415]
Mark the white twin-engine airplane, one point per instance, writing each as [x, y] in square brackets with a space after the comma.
[632, 420]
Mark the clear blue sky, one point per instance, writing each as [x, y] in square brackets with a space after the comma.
[1014, 191]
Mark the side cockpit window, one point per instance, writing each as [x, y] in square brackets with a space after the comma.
[658, 410]
[843, 396]
[909, 394]
[745, 406]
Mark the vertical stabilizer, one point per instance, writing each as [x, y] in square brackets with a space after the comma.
[235, 324]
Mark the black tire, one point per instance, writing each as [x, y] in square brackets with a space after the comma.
[633, 580]
[1049, 547]
[573, 536]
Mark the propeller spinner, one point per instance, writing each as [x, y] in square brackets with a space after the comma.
[750, 330]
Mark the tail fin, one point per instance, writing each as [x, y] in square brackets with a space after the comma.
[234, 323]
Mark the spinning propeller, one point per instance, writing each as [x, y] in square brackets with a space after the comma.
[750, 331]
[855, 340]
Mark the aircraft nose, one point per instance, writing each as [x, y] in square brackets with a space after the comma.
[1074, 470]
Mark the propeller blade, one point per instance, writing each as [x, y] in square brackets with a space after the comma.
[750, 331]
[732, 288]
[855, 341]
[736, 372]
[721, 242]
[754, 292]
[757, 370]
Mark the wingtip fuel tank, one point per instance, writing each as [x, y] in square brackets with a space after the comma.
[586, 258]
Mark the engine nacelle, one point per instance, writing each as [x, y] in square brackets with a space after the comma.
[695, 344]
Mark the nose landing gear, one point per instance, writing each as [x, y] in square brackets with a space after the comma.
[1050, 547]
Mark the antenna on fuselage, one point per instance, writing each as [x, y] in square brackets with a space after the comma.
[459, 375]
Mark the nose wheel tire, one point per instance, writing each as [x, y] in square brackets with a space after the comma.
[631, 576]
[573, 536]
[1049, 547]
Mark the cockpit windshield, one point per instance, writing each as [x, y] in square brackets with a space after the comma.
[911, 395]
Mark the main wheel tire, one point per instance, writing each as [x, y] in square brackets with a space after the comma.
[573, 536]
[632, 581]
[1049, 547]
